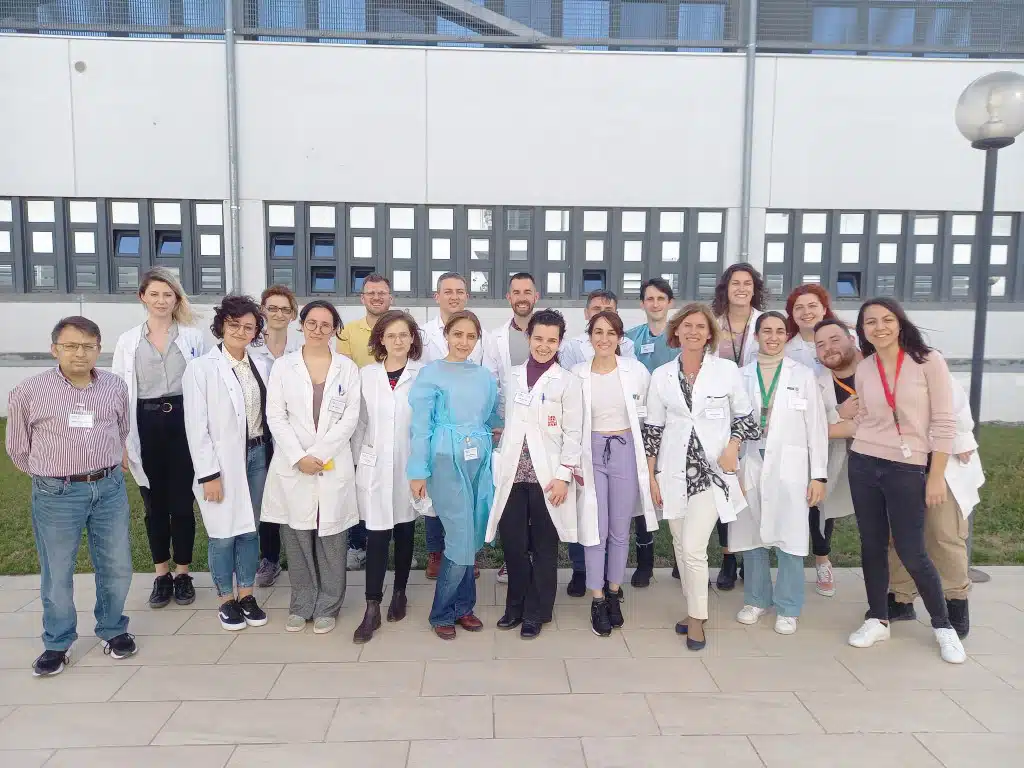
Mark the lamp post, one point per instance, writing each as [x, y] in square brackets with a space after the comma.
[990, 115]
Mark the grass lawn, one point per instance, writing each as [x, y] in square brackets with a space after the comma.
[999, 528]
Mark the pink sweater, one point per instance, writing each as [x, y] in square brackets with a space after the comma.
[924, 402]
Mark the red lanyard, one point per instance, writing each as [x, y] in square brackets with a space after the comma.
[890, 394]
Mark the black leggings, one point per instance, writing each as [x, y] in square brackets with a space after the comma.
[377, 545]
[270, 541]
[821, 543]
[168, 465]
[723, 534]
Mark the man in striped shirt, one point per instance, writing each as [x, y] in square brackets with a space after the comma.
[66, 428]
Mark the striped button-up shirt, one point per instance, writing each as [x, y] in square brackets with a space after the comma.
[42, 442]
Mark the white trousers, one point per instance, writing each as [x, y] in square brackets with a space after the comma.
[690, 536]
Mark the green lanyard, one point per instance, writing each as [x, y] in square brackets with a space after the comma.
[766, 397]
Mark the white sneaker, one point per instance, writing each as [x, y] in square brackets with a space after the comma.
[825, 584]
[295, 623]
[324, 624]
[871, 631]
[785, 625]
[356, 559]
[950, 647]
[749, 614]
[503, 574]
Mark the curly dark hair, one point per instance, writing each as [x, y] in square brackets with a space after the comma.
[720, 304]
[550, 317]
[376, 343]
[233, 307]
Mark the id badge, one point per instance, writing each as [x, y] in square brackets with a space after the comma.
[647, 349]
[368, 459]
[641, 411]
[471, 453]
[524, 398]
[337, 404]
[905, 450]
[79, 418]
[714, 413]
[797, 403]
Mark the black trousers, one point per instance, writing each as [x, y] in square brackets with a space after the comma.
[889, 496]
[526, 527]
[270, 541]
[821, 543]
[170, 517]
[723, 534]
[377, 545]
[644, 538]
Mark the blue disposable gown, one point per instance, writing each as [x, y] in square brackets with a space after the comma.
[652, 351]
[454, 407]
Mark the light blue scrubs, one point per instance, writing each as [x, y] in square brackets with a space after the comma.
[652, 351]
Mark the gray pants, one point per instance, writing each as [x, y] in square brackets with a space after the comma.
[316, 569]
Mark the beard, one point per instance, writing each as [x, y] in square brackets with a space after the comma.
[844, 362]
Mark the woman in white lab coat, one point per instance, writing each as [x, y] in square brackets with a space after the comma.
[782, 475]
[225, 395]
[313, 409]
[380, 447]
[151, 358]
[740, 297]
[534, 504]
[806, 306]
[616, 485]
[698, 415]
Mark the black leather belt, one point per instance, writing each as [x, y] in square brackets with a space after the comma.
[255, 442]
[90, 477]
[164, 404]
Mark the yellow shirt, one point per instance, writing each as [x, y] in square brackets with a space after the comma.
[354, 342]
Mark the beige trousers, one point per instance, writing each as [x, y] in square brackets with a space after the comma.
[690, 541]
[945, 539]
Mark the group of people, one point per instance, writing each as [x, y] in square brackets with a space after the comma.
[766, 426]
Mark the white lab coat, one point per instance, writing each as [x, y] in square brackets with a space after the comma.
[189, 341]
[718, 398]
[551, 424]
[795, 451]
[838, 501]
[380, 447]
[217, 431]
[435, 346]
[635, 381]
[805, 353]
[750, 340]
[293, 342]
[290, 496]
[579, 350]
[498, 361]
[964, 480]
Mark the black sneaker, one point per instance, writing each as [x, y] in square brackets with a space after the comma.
[959, 616]
[50, 663]
[231, 616]
[897, 611]
[614, 600]
[121, 647]
[599, 620]
[641, 578]
[727, 573]
[163, 588]
[184, 592]
[254, 615]
[577, 584]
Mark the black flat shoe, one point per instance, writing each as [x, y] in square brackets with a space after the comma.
[529, 630]
[696, 645]
[510, 622]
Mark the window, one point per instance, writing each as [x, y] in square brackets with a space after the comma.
[593, 280]
[848, 285]
[168, 244]
[358, 276]
[322, 279]
[321, 246]
[282, 246]
[126, 243]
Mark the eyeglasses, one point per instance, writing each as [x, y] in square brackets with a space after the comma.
[272, 310]
[376, 294]
[393, 337]
[236, 327]
[74, 348]
[313, 325]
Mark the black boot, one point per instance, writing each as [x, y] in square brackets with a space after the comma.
[959, 616]
[599, 620]
[396, 610]
[614, 600]
[371, 622]
[577, 586]
[727, 574]
[644, 566]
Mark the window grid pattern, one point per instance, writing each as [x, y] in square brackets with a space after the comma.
[10, 209]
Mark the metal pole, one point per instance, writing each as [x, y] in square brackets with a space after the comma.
[232, 105]
[981, 292]
[748, 130]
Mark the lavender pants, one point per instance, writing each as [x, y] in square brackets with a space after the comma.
[617, 489]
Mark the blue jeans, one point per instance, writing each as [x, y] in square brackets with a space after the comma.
[788, 596]
[60, 511]
[238, 557]
[454, 594]
[435, 534]
[577, 558]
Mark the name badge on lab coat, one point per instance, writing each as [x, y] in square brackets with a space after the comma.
[470, 453]
[367, 458]
[524, 398]
[79, 418]
[797, 403]
[336, 404]
[641, 411]
[646, 349]
[714, 413]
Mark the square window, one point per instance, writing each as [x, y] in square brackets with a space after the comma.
[5, 241]
[888, 253]
[926, 224]
[357, 276]
[174, 271]
[321, 246]
[673, 280]
[850, 253]
[709, 251]
[165, 214]
[709, 222]
[885, 285]
[6, 275]
[775, 284]
[402, 218]
[556, 250]
[321, 216]
[87, 275]
[593, 280]
[42, 242]
[814, 223]
[848, 285]
[281, 215]
[670, 250]
[479, 282]
[997, 286]
[440, 248]
[283, 276]
[633, 250]
[282, 246]
[556, 282]
[631, 282]
[999, 254]
[518, 250]
[211, 279]
[517, 220]
[401, 279]
[961, 287]
[963, 225]
[556, 221]
[775, 253]
[441, 218]
[595, 221]
[209, 245]
[322, 279]
[706, 284]
[595, 250]
[168, 243]
[962, 253]
[209, 214]
[480, 219]
[1002, 226]
[890, 223]
[124, 212]
[812, 253]
[6, 211]
[401, 247]
[40, 211]
[672, 221]
[44, 276]
[851, 224]
[924, 253]
[480, 249]
[634, 221]
[82, 211]
[922, 287]
[361, 217]
[127, 278]
[362, 247]
[776, 223]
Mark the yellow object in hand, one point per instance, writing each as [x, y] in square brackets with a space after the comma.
[328, 465]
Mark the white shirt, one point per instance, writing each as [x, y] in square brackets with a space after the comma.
[608, 404]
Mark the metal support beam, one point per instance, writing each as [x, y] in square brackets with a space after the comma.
[748, 130]
[235, 286]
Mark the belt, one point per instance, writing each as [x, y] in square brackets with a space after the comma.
[256, 442]
[164, 404]
[89, 477]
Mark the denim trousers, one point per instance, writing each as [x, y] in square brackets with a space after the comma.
[435, 534]
[236, 558]
[454, 594]
[788, 593]
[60, 511]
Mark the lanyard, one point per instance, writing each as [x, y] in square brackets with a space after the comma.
[890, 394]
[766, 397]
[737, 355]
[842, 385]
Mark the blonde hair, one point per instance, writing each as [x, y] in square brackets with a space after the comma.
[693, 309]
[182, 314]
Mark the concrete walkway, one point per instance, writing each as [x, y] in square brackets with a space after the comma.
[196, 695]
